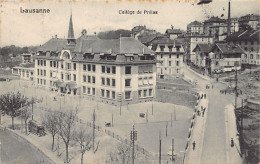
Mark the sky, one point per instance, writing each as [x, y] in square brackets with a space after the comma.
[23, 29]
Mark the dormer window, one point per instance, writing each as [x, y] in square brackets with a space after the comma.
[161, 48]
[170, 48]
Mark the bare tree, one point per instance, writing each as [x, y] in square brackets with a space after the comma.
[11, 103]
[50, 121]
[25, 115]
[122, 154]
[66, 124]
[84, 139]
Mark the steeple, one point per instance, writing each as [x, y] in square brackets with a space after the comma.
[71, 31]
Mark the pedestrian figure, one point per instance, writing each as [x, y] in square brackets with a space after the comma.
[204, 109]
[204, 95]
[193, 145]
[225, 91]
[198, 112]
[202, 113]
[201, 107]
[232, 142]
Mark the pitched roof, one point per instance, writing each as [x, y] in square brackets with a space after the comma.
[206, 48]
[214, 19]
[149, 37]
[164, 41]
[226, 48]
[122, 45]
[195, 23]
[245, 35]
[173, 31]
[54, 44]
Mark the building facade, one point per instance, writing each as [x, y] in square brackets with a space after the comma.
[118, 71]
[225, 57]
[195, 28]
[169, 55]
[251, 20]
[249, 41]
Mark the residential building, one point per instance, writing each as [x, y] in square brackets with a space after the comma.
[202, 59]
[173, 33]
[249, 41]
[147, 38]
[118, 71]
[169, 54]
[225, 57]
[251, 20]
[193, 41]
[195, 28]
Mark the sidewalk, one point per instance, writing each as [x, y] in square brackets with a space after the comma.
[232, 153]
[194, 156]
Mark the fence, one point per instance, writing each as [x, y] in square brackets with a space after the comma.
[110, 133]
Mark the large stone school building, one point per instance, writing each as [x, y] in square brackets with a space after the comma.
[119, 71]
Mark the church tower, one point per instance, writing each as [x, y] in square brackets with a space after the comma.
[71, 39]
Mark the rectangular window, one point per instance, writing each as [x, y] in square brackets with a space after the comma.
[68, 76]
[170, 63]
[177, 63]
[57, 64]
[102, 92]
[94, 68]
[41, 63]
[108, 82]
[44, 72]
[139, 93]
[161, 55]
[108, 94]
[54, 63]
[150, 80]
[128, 70]
[127, 95]
[84, 89]
[44, 62]
[103, 81]
[69, 66]
[145, 92]
[74, 77]
[93, 79]
[89, 67]
[89, 79]
[50, 63]
[103, 69]
[74, 66]
[38, 72]
[113, 95]
[61, 65]
[113, 69]
[84, 78]
[170, 56]
[50, 73]
[93, 91]
[84, 67]
[113, 82]
[89, 91]
[150, 92]
[145, 81]
[38, 80]
[108, 69]
[178, 55]
[38, 61]
[127, 82]
[41, 73]
[61, 75]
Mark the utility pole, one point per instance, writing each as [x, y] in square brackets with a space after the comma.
[236, 90]
[32, 106]
[166, 128]
[242, 138]
[160, 148]
[133, 139]
[172, 148]
[94, 119]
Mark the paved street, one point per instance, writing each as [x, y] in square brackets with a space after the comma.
[16, 150]
[216, 142]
